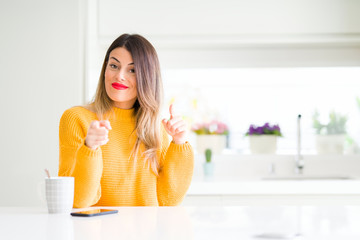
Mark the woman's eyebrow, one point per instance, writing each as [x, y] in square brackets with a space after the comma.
[115, 59]
[119, 61]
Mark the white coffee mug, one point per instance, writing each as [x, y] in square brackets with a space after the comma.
[59, 194]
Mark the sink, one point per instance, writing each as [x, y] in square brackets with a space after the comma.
[308, 177]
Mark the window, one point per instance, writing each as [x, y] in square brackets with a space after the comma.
[245, 96]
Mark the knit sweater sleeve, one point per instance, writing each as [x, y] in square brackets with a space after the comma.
[79, 161]
[176, 170]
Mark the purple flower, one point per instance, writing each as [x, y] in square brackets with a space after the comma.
[266, 129]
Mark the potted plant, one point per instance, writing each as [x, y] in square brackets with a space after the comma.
[330, 137]
[211, 135]
[263, 139]
[208, 164]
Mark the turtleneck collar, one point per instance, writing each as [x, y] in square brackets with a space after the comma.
[123, 113]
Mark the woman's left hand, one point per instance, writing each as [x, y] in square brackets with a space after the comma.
[175, 127]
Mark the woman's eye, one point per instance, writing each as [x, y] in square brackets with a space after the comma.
[113, 66]
[132, 70]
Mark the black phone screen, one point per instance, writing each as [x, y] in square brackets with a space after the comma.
[93, 212]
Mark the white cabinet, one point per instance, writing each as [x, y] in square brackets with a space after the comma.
[262, 192]
[246, 180]
[229, 20]
[250, 200]
[237, 33]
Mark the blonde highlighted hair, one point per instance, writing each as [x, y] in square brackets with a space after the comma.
[149, 95]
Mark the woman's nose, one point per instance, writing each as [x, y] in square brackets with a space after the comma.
[122, 75]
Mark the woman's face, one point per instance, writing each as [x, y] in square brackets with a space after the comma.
[120, 78]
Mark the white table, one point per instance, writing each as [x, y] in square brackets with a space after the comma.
[240, 222]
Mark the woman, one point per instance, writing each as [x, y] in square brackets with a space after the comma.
[116, 147]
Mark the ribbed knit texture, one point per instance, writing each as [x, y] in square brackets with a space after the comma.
[108, 176]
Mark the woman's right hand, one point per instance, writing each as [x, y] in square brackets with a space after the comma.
[97, 134]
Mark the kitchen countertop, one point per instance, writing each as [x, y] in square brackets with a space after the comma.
[233, 222]
[230, 186]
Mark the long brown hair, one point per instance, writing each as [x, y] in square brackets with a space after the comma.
[149, 95]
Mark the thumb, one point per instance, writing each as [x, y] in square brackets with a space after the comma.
[106, 124]
[95, 124]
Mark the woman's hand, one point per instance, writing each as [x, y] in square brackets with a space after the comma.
[175, 127]
[97, 134]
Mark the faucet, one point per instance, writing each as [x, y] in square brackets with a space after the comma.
[299, 162]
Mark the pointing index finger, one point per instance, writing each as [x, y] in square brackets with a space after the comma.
[106, 124]
[173, 112]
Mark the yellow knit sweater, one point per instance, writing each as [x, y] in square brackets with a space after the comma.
[108, 177]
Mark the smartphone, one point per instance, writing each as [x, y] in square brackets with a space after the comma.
[93, 212]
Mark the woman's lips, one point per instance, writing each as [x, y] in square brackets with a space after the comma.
[119, 86]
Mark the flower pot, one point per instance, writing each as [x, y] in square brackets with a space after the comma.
[208, 169]
[263, 144]
[330, 144]
[216, 143]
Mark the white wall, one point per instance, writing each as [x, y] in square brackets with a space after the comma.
[41, 74]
